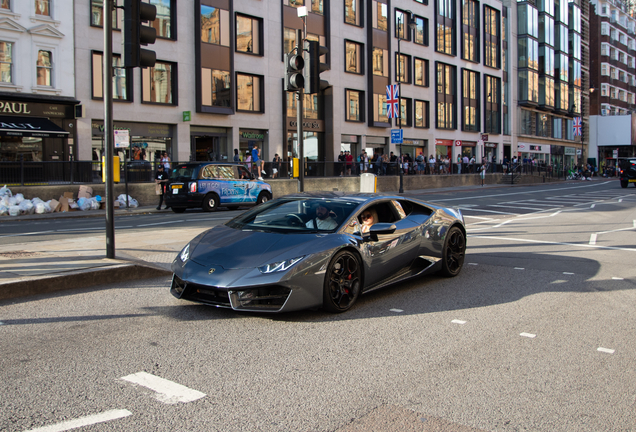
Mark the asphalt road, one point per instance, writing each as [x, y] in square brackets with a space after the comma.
[536, 333]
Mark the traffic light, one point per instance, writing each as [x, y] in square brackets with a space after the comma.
[294, 79]
[313, 51]
[134, 34]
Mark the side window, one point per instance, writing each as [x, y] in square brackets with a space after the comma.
[208, 172]
[225, 172]
[242, 173]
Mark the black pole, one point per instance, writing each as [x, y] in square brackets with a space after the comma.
[108, 127]
[299, 117]
[400, 160]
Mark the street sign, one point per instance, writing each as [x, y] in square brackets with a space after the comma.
[484, 137]
[458, 143]
[396, 136]
[187, 116]
[615, 154]
[122, 138]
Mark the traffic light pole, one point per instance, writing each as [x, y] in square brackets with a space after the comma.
[108, 127]
[299, 117]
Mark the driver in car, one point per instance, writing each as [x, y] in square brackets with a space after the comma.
[324, 219]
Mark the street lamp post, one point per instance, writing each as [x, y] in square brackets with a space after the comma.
[411, 25]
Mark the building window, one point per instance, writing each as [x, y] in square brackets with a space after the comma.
[422, 114]
[525, 122]
[380, 62]
[421, 72]
[44, 68]
[354, 60]
[379, 108]
[491, 110]
[406, 116]
[605, 29]
[215, 26]
[546, 30]
[557, 128]
[163, 20]
[402, 30]
[5, 4]
[310, 105]
[445, 26]
[470, 30]
[425, 2]
[97, 12]
[353, 12]
[355, 105]
[605, 90]
[249, 93]
[546, 60]
[158, 83]
[317, 7]
[569, 132]
[421, 31]
[289, 40]
[543, 125]
[380, 15]
[43, 7]
[6, 62]
[120, 78]
[561, 98]
[527, 20]
[402, 68]
[528, 86]
[446, 84]
[492, 44]
[470, 101]
[215, 88]
[249, 35]
[528, 53]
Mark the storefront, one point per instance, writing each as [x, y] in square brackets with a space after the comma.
[36, 130]
[313, 147]
[210, 143]
[248, 138]
[490, 152]
[147, 140]
[468, 149]
[413, 147]
[444, 147]
[539, 153]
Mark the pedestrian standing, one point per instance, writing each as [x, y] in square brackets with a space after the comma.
[161, 178]
[341, 163]
[275, 165]
[237, 157]
[165, 161]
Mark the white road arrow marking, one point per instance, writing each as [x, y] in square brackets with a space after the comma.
[84, 421]
[166, 391]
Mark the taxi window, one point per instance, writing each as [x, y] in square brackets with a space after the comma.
[241, 173]
[225, 172]
[209, 172]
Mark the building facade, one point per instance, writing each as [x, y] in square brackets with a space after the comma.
[552, 61]
[217, 86]
[37, 86]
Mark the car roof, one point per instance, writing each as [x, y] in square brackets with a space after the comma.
[359, 197]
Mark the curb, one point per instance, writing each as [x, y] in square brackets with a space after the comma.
[79, 279]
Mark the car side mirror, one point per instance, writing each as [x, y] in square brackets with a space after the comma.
[382, 228]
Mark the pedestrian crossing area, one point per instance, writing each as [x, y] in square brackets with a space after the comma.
[495, 210]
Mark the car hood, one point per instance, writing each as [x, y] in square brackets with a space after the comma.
[235, 249]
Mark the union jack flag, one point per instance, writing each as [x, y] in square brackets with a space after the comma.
[392, 101]
[576, 126]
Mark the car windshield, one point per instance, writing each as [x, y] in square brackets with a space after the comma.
[181, 173]
[293, 215]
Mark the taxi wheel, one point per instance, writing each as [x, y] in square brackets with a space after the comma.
[263, 197]
[210, 202]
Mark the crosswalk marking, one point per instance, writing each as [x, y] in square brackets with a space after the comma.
[166, 391]
[84, 421]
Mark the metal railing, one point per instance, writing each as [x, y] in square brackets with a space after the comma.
[70, 172]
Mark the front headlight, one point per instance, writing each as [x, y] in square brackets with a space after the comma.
[185, 253]
[279, 266]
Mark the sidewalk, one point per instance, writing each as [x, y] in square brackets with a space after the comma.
[49, 266]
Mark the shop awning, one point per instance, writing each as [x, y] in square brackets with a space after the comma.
[30, 127]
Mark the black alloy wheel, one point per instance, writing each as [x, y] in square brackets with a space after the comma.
[454, 252]
[210, 202]
[624, 183]
[343, 282]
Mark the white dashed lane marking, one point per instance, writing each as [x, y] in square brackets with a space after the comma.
[605, 350]
[568, 273]
[396, 310]
[456, 321]
[617, 278]
[528, 335]
[166, 391]
[84, 421]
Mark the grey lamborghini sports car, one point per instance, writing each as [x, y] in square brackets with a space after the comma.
[315, 250]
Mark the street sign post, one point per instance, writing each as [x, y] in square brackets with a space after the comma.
[397, 136]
